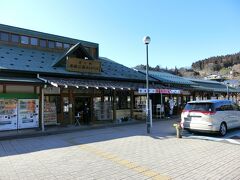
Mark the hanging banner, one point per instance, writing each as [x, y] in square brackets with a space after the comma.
[144, 91]
[162, 91]
[175, 91]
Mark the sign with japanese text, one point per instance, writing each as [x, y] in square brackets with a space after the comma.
[83, 65]
[144, 90]
[161, 91]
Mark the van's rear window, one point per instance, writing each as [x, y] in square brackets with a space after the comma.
[199, 106]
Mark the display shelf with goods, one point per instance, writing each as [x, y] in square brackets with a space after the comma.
[139, 111]
[50, 113]
[103, 110]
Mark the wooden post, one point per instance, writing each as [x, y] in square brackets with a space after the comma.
[131, 103]
[4, 88]
[114, 106]
[91, 110]
[42, 109]
[62, 116]
[102, 95]
[70, 96]
[35, 89]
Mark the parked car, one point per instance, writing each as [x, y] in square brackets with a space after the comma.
[210, 116]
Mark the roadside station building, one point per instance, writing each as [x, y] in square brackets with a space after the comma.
[181, 90]
[49, 80]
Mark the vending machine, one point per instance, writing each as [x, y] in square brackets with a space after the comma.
[28, 113]
[8, 114]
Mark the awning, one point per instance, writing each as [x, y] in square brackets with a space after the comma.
[95, 83]
[8, 79]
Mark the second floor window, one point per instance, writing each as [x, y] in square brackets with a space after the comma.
[59, 45]
[4, 36]
[34, 41]
[51, 44]
[66, 46]
[15, 38]
[43, 43]
[24, 40]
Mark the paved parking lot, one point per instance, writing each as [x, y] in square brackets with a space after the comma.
[125, 152]
[232, 136]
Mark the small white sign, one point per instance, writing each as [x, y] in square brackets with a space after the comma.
[144, 91]
[52, 90]
[173, 91]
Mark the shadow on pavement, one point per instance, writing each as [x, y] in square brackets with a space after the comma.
[161, 129]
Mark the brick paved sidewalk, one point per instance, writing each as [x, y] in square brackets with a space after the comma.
[124, 152]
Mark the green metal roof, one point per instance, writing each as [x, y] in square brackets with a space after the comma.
[168, 78]
[208, 85]
[27, 60]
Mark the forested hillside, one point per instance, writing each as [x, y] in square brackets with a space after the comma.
[227, 66]
[222, 65]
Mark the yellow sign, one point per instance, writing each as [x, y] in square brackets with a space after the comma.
[83, 65]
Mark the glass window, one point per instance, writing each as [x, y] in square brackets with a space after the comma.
[66, 46]
[122, 101]
[199, 107]
[24, 40]
[15, 38]
[34, 41]
[43, 43]
[4, 36]
[56, 100]
[59, 45]
[140, 102]
[51, 44]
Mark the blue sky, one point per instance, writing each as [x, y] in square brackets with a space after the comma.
[181, 31]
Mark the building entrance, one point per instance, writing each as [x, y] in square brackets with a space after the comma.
[83, 109]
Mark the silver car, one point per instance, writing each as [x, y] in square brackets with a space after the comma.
[211, 116]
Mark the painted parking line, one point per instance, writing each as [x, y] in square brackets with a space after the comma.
[233, 138]
[125, 163]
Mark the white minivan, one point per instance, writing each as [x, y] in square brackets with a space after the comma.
[211, 116]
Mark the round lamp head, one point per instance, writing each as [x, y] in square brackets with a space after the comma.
[146, 40]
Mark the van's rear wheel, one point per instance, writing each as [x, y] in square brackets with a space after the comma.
[223, 129]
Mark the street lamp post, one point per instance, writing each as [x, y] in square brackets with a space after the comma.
[146, 41]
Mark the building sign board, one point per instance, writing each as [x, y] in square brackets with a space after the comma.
[144, 90]
[83, 65]
[52, 90]
[161, 91]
